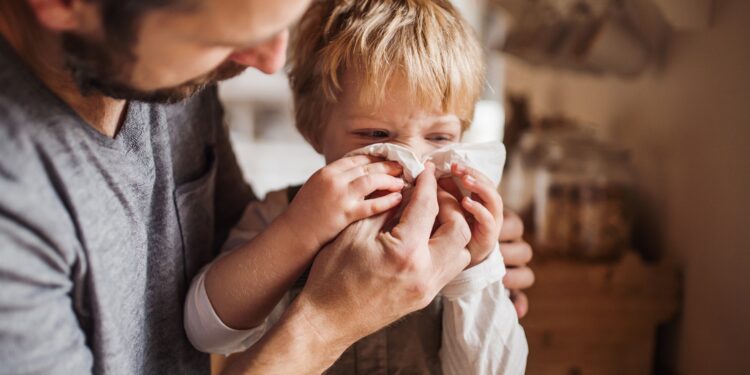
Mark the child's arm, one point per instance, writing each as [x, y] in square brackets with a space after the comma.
[481, 333]
[206, 331]
[243, 286]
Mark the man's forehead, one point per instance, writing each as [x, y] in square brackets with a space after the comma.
[240, 22]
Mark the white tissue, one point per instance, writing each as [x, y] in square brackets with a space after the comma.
[487, 158]
[413, 167]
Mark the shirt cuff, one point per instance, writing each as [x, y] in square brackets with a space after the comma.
[477, 278]
[206, 331]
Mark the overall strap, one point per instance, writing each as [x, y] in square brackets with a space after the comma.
[291, 192]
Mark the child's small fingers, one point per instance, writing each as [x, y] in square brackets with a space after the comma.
[449, 185]
[349, 162]
[391, 168]
[375, 206]
[486, 193]
[477, 183]
[481, 214]
[459, 170]
[368, 184]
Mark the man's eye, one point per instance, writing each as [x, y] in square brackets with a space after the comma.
[373, 133]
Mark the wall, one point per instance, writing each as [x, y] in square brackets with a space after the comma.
[688, 123]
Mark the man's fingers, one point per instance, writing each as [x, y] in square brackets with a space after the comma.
[448, 248]
[373, 224]
[518, 278]
[512, 229]
[448, 244]
[516, 254]
[420, 213]
[448, 206]
[449, 184]
[374, 206]
[520, 302]
[368, 184]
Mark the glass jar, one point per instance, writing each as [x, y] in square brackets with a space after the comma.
[583, 201]
[534, 152]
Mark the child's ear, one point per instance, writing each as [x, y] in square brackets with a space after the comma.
[66, 15]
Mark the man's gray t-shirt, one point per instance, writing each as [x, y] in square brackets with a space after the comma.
[100, 237]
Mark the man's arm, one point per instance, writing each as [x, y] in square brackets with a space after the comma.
[361, 282]
[295, 345]
[39, 331]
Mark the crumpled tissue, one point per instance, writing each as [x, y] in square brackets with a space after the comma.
[487, 158]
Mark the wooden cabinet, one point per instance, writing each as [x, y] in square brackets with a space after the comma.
[598, 318]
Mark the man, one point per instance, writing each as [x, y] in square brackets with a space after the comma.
[111, 202]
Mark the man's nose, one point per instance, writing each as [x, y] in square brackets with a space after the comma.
[268, 57]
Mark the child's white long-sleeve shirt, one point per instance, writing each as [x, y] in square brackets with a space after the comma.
[480, 334]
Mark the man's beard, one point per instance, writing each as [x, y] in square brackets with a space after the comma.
[101, 67]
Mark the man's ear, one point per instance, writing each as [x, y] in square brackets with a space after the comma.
[64, 15]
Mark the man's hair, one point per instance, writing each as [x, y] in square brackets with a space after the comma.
[425, 42]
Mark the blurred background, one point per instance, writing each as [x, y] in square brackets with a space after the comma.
[628, 129]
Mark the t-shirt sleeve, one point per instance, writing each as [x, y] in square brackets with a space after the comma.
[39, 330]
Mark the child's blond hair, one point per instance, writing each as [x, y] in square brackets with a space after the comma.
[425, 42]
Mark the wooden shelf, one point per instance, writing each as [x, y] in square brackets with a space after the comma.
[687, 15]
[598, 318]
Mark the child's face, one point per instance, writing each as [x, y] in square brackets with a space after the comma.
[398, 119]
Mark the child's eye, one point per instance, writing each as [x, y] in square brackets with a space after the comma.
[373, 133]
[440, 138]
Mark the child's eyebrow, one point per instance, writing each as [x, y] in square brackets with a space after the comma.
[447, 120]
[369, 118]
[450, 119]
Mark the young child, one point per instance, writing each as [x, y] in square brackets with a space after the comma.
[363, 72]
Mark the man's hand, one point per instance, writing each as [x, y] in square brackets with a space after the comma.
[337, 195]
[517, 254]
[364, 280]
[367, 278]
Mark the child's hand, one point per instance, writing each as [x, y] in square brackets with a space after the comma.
[337, 195]
[486, 209]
